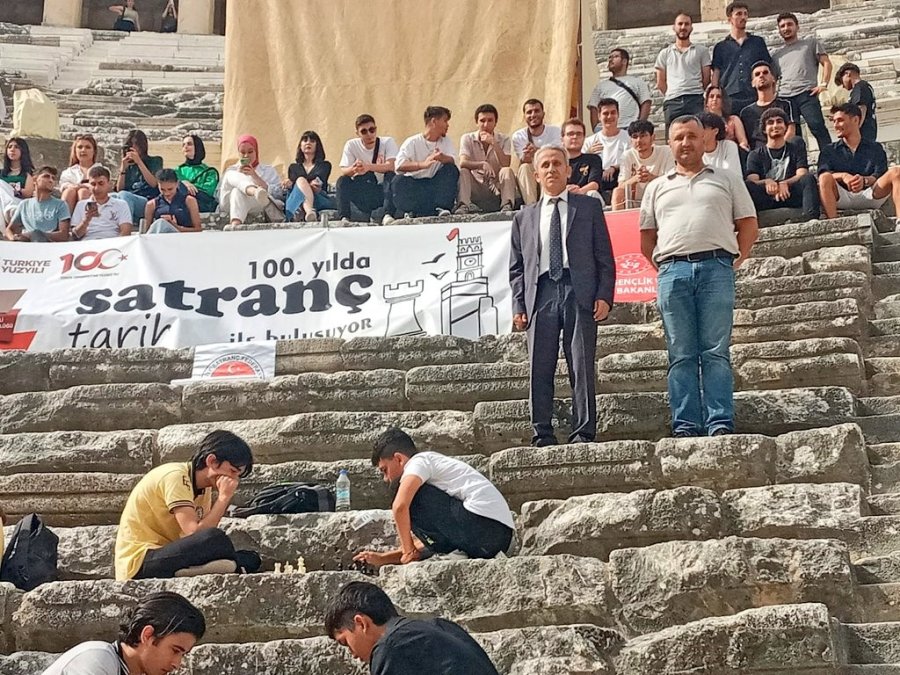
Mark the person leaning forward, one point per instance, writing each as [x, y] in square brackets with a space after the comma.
[697, 225]
[562, 276]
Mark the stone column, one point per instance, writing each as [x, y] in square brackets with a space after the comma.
[600, 14]
[62, 13]
[196, 16]
[712, 10]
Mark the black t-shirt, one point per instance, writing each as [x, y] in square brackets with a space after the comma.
[752, 114]
[322, 170]
[862, 94]
[433, 646]
[782, 162]
[868, 160]
[586, 168]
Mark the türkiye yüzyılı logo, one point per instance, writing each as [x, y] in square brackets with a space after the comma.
[89, 261]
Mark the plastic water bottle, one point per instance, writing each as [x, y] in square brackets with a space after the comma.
[342, 492]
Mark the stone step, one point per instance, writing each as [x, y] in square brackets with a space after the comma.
[884, 285]
[884, 254]
[883, 453]
[888, 308]
[885, 345]
[883, 374]
[880, 428]
[890, 268]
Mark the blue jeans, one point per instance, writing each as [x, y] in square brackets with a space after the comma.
[135, 202]
[161, 226]
[696, 301]
[321, 201]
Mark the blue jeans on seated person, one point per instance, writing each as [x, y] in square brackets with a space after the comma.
[160, 226]
[135, 202]
[696, 301]
[322, 201]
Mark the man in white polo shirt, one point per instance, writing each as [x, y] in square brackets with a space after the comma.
[445, 503]
[101, 216]
[683, 71]
[697, 226]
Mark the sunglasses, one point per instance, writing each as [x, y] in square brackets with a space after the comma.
[369, 130]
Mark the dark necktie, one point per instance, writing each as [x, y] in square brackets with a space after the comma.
[555, 250]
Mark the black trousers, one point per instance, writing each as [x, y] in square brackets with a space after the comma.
[556, 310]
[804, 195]
[423, 196]
[444, 525]
[193, 550]
[689, 104]
[365, 193]
[810, 109]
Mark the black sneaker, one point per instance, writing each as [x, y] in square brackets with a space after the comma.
[684, 434]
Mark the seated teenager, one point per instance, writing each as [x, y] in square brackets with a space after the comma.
[367, 169]
[248, 186]
[101, 215]
[717, 102]
[778, 173]
[526, 141]
[643, 162]
[198, 178]
[16, 177]
[154, 639]
[585, 170]
[446, 504]
[43, 217]
[174, 210]
[719, 152]
[427, 177]
[853, 172]
[363, 619]
[610, 143]
[170, 524]
[73, 181]
[486, 183]
[307, 183]
[862, 94]
[137, 173]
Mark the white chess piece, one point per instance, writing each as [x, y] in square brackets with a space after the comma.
[288, 568]
[277, 568]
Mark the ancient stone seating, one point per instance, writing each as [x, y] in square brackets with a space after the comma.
[771, 551]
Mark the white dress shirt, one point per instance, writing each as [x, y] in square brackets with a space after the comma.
[546, 215]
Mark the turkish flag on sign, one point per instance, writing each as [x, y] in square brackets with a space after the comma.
[635, 276]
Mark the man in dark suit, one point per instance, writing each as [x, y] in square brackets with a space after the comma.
[562, 274]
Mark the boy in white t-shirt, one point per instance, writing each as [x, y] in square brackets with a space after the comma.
[367, 169]
[153, 641]
[641, 164]
[427, 176]
[610, 143]
[443, 502]
[101, 216]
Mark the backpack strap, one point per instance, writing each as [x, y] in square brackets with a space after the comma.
[377, 148]
[624, 86]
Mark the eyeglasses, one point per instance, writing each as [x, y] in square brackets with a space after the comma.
[370, 130]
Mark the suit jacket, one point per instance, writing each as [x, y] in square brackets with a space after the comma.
[591, 264]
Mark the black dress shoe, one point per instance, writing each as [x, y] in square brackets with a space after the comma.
[722, 431]
[544, 441]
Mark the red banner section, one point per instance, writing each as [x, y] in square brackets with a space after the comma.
[635, 276]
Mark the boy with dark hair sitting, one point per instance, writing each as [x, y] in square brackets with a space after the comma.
[153, 641]
[444, 502]
[363, 619]
[169, 526]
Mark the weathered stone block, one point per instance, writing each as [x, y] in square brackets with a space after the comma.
[781, 410]
[67, 499]
[327, 436]
[552, 650]
[768, 267]
[320, 655]
[835, 318]
[503, 592]
[311, 355]
[75, 451]
[677, 582]
[799, 510]
[801, 363]
[10, 597]
[525, 474]
[99, 407]
[629, 338]
[72, 367]
[838, 258]
[884, 376]
[798, 238]
[505, 424]
[290, 394]
[758, 293]
[595, 525]
[632, 415]
[715, 462]
[784, 639]
[23, 371]
[829, 455]
[637, 372]
[26, 663]
[404, 353]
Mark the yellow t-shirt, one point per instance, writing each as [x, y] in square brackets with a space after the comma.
[147, 521]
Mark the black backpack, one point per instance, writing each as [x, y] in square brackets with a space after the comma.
[288, 498]
[30, 558]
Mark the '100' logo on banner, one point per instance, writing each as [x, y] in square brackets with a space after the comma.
[92, 260]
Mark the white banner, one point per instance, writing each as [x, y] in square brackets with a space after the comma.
[183, 290]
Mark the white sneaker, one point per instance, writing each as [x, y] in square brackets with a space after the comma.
[388, 219]
[262, 197]
[442, 212]
[312, 217]
[212, 567]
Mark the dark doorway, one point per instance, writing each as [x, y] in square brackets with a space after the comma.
[22, 13]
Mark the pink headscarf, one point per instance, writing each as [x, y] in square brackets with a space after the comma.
[247, 138]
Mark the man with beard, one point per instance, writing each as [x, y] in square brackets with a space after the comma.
[486, 183]
[682, 72]
[526, 141]
[764, 83]
[630, 91]
[733, 58]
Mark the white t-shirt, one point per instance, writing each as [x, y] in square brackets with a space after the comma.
[725, 157]
[613, 147]
[629, 110]
[658, 163]
[113, 213]
[89, 658]
[459, 480]
[552, 136]
[72, 177]
[355, 150]
[417, 149]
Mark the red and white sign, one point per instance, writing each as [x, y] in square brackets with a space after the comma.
[635, 276]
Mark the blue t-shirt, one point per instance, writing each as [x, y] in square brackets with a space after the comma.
[44, 216]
